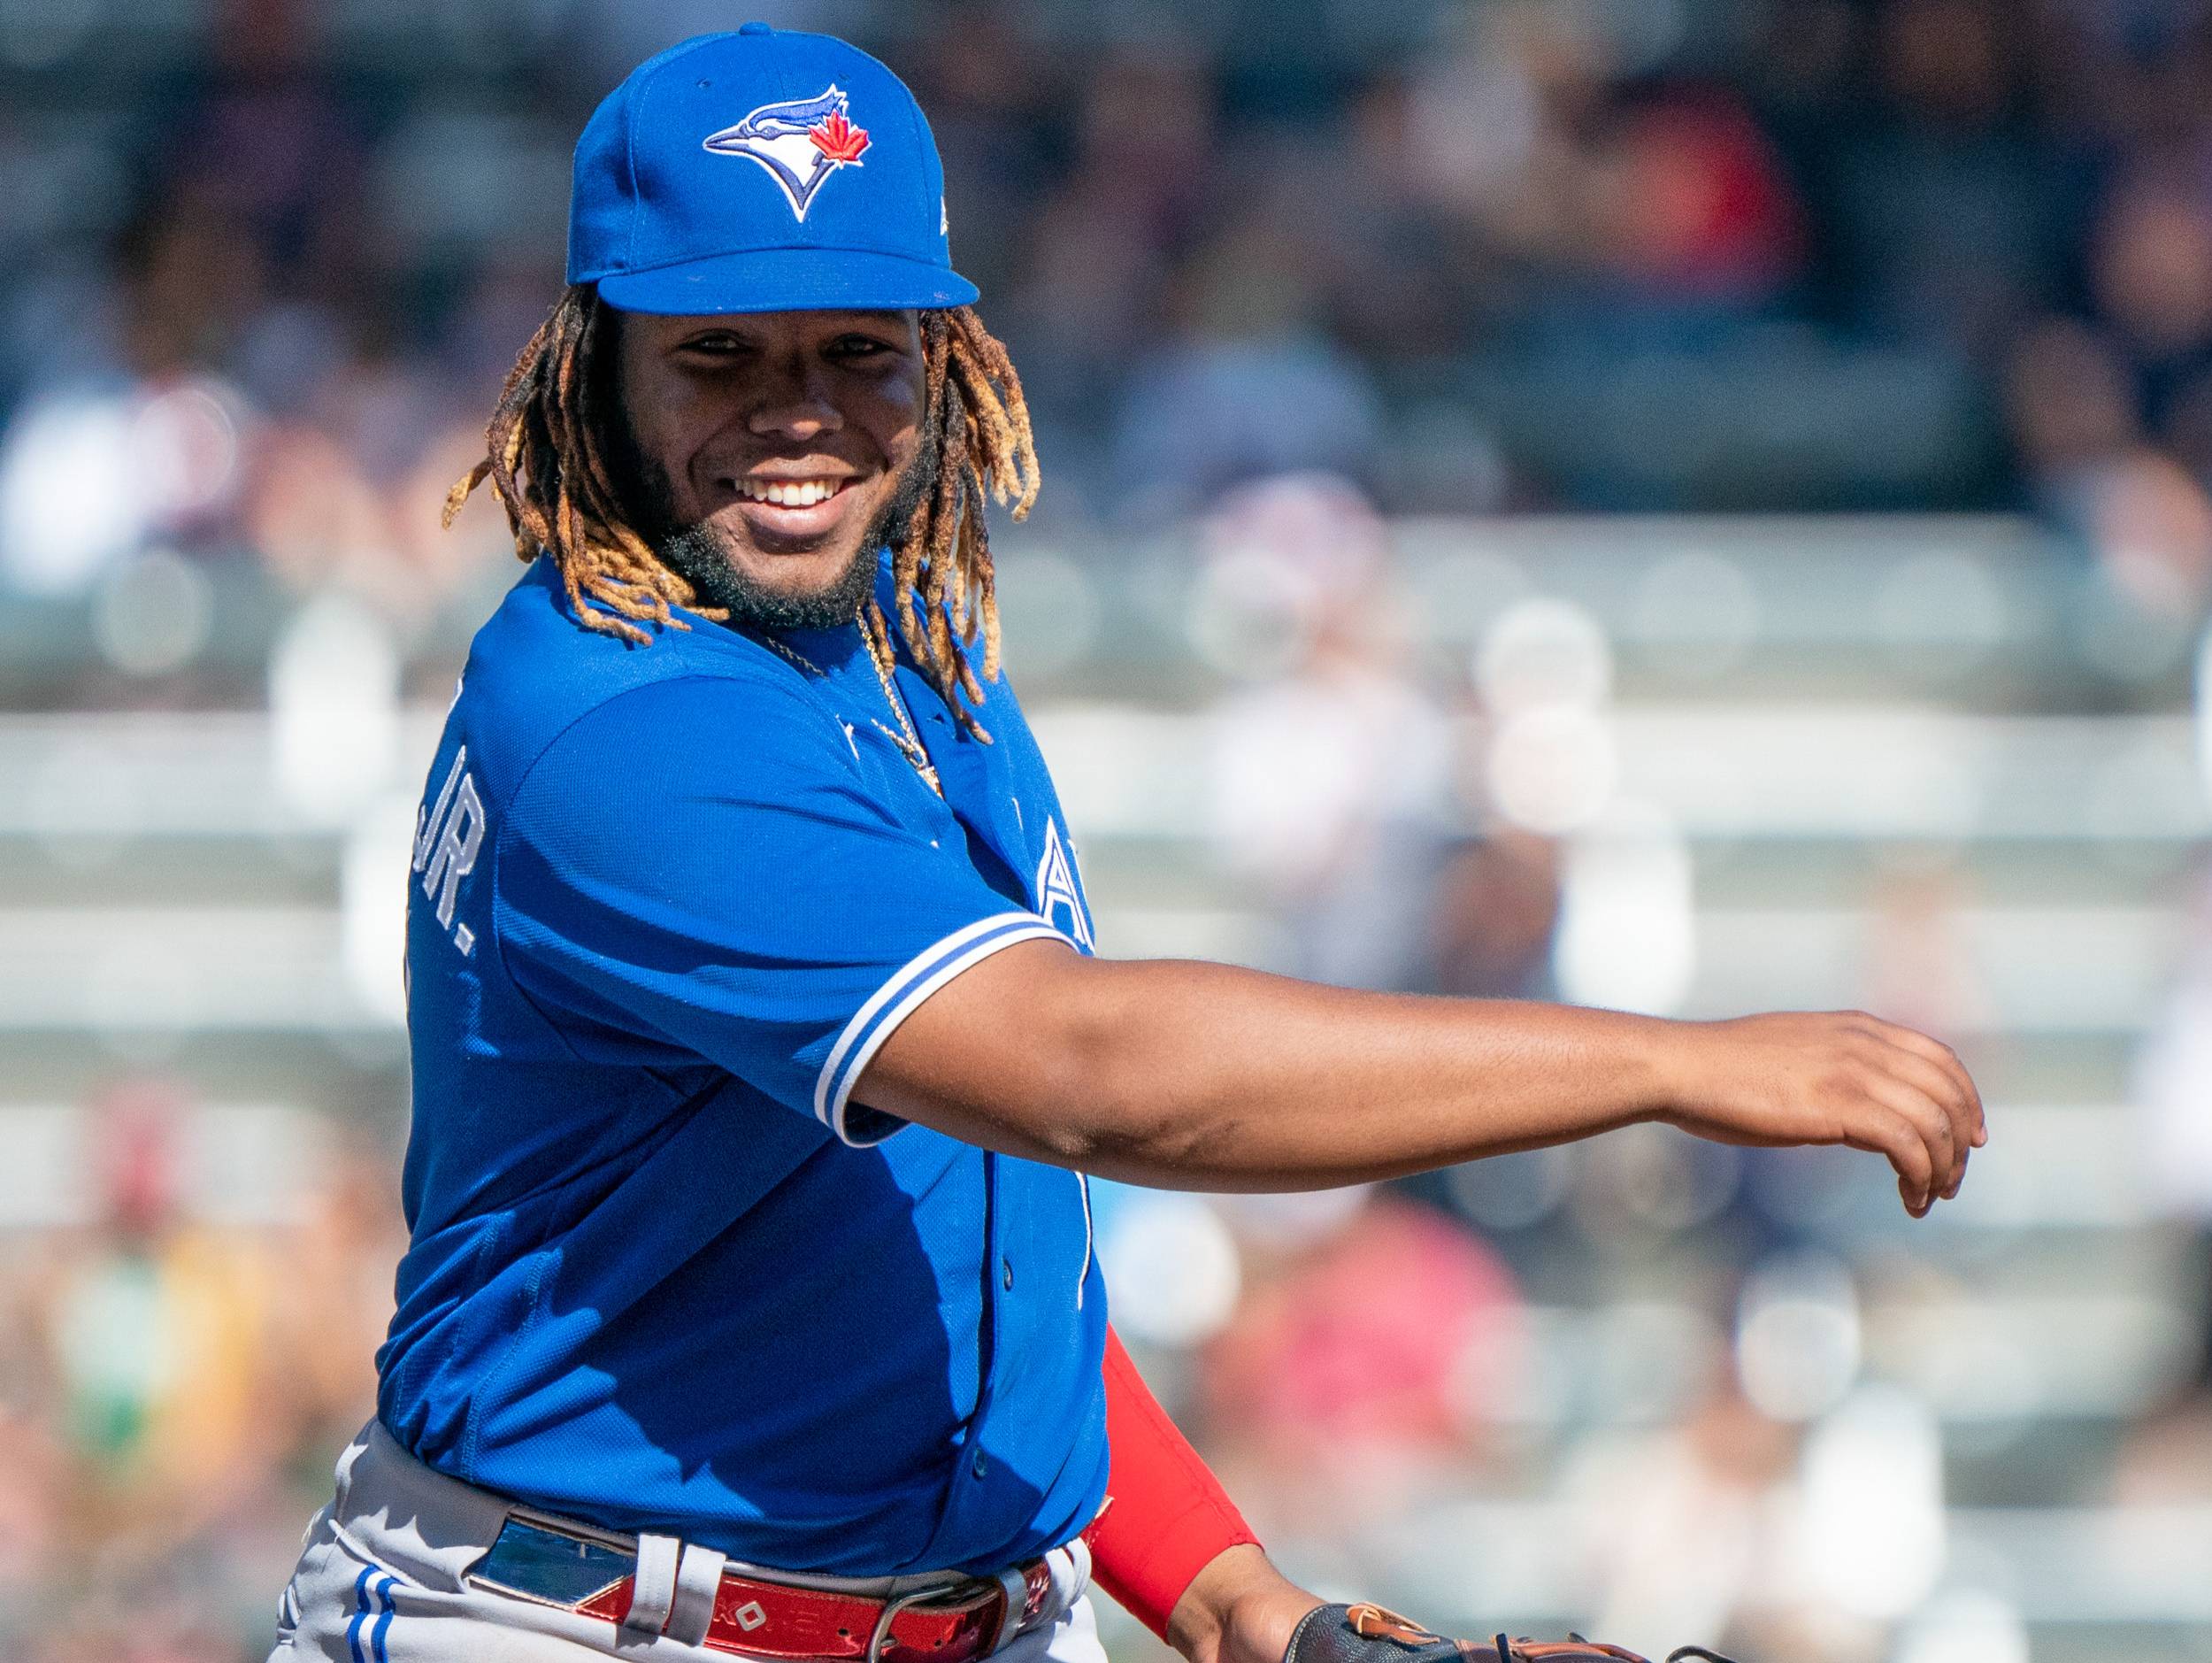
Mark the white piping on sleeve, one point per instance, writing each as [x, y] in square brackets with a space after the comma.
[902, 992]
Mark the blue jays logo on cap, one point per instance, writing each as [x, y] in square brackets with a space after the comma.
[800, 142]
[670, 215]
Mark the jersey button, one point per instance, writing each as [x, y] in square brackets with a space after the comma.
[1006, 1275]
[981, 1465]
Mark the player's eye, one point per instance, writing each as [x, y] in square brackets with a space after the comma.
[859, 347]
[716, 344]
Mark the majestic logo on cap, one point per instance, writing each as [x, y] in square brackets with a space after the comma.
[800, 142]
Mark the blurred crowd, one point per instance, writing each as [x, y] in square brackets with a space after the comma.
[174, 1387]
[1660, 1388]
[265, 273]
[1272, 272]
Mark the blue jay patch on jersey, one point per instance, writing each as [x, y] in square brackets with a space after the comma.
[799, 141]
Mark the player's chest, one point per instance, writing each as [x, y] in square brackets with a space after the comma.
[994, 801]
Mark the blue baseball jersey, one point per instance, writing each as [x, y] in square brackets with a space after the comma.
[664, 1273]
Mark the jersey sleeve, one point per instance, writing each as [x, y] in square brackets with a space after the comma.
[701, 862]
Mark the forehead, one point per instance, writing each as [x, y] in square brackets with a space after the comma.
[769, 325]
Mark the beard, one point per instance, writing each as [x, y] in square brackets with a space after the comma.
[698, 550]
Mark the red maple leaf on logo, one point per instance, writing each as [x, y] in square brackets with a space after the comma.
[837, 138]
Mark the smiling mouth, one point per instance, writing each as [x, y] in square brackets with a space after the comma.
[789, 493]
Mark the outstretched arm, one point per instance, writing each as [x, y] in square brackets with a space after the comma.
[1200, 1076]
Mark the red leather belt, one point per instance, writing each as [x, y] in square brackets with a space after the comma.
[551, 1561]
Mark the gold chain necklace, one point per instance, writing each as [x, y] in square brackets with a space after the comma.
[908, 740]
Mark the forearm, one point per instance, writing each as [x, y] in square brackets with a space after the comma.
[1167, 1517]
[1210, 1077]
[1199, 1076]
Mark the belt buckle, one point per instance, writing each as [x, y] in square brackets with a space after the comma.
[551, 1561]
[952, 1599]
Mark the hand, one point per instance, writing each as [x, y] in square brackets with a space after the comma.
[1239, 1609]
[1830, 1077]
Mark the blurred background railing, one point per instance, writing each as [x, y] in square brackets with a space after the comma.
[1687, 506]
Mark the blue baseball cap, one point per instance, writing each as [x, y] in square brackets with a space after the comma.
[762, 170]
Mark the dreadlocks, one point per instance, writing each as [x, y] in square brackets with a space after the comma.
[547, 450]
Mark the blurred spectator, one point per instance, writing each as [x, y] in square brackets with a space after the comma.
[1951, 209]
[1688, 203]
[2171, 1449]
[2151, 275]
[171, 1389]
[1687, 1518]
[1330, 777]
[1246, 384]
[2150, 525]
[157, 1333]
[2142, 514]
[1346, 1385]
[1494, 914]
[2071, 411]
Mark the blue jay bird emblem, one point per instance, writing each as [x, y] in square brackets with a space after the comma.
[800, 142]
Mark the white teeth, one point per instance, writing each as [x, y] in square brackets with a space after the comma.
[788, 493]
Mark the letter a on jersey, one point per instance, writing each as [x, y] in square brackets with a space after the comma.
[1057, 887]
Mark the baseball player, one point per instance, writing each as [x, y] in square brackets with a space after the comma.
[759, 1044]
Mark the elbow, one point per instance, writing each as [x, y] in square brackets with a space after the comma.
[1117, 1104]
[1101, 1105]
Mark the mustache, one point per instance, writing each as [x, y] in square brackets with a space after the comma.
[697, 549]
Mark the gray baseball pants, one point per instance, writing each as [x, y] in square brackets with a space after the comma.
[379, 1580]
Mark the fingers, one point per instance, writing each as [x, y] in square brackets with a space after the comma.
[1934, 1160]
[1882, 1130]
[1968, 1097]
[1934, 1092]
[1935, 1081]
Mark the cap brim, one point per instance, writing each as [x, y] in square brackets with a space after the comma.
[787, 280]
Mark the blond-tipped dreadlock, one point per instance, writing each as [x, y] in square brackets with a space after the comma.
[546, 450]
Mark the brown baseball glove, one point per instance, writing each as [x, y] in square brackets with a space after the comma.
[1368, 1634]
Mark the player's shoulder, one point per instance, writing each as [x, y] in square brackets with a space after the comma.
[537, 676]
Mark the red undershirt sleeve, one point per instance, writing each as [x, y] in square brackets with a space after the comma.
[1167, 1515]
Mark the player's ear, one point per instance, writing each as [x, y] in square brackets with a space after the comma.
[606, 338]
[607, 397]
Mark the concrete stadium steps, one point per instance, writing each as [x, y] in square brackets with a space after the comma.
[2042, 973]
[1875, 769]
[1821, 772]
[2033, 1339]
[2137, 1569]
[1987, 613]
[164, 891]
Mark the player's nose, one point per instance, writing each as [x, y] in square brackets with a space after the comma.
[802, 415]
[793, 401]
